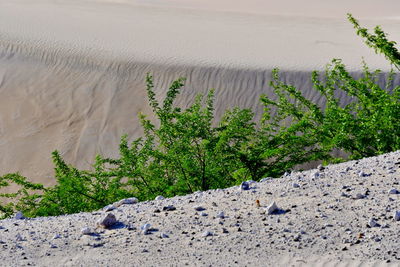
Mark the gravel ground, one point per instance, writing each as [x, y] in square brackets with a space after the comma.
[340, 215]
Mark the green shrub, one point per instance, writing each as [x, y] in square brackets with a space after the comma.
[186, 153]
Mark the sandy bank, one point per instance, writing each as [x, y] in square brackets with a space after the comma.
[342, 215]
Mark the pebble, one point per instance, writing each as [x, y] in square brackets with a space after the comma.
[393, 191]
[359, 196]
[164, 235]
[19, 216]
[203, 214]
[221, 215]
[373, 223]
[315, 175]
[86, 231]
[19, 237]
[272, 208]
[245, 186]
[199, 208]
[396, 215]
[109, 208]
[126, 201]
[295, 185]
[145, 227]
[362, 174]
[107, 221]
[265, 179]
[56, 236]
[169, 208]
[206, 233]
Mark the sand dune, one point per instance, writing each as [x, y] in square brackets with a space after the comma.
[72, 72]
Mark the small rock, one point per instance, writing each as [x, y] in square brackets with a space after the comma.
[164, 235]
[86, 231]
[245, 186]
[109, 208]
[199, 208]
[107, 221]
[320, 167]
[373, 223]
[52, 246]
[359, 196]
[265, 179]
[394, 191]
[126, 201]
[315, 175]
[19, 216]
[145, 227]
[272, 208]
[221, 215]
[159, 198]
[297, 238]
[203, 214]
[396, 215]
[19, 237]
[225, 231]
[56, 236]
[362, 174]
[295, 185]
[169, 208]
[206, 233]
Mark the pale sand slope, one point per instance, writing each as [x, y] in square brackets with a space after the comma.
[322, 222]
[72, 72]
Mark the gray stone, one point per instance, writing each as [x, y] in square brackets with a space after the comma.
[19, 216]
[109, 208]
[198, 208]
[86, 231]
[373, 223]
[393, 191]
[169, 208]
[272, 208]
[107, 221]
[295, 185]
[221, 215]
[245, 186]
[145, 227]
[266, 179]
[207, 233]
[126, 201]
[396, 215]
[164, 235]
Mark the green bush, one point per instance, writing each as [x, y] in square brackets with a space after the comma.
[186, 153]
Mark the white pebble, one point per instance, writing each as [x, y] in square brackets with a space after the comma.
[271, 208]
[86, 231]
[145, 227]
[159, 198]
[206, 233]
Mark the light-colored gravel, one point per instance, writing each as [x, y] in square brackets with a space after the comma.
[332, 216]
